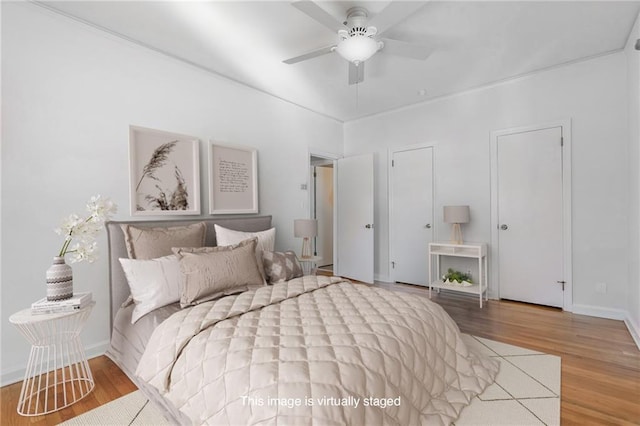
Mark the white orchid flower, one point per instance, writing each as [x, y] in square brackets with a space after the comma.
[68, 224]
[84, 230]
[100, 208]
[80, 252]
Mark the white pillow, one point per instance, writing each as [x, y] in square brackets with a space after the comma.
[266, 241]
[154, 283]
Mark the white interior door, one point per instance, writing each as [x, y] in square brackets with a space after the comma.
[411, 214]
[530, 200]
[355, 217]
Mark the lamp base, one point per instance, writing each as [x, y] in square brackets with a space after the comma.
[456, 234]
[306, 248]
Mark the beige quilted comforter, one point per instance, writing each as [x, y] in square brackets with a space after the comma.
[315, 350]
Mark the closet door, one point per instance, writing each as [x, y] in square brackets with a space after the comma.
[530, 216]
[411, 214]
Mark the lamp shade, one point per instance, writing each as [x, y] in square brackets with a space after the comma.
[456, 214]
[358, 48]
[304, 228]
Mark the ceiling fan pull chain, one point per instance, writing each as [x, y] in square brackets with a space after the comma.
[357, 86]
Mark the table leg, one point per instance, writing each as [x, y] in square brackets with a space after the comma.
[438, 270]
[430, 275]
[486, 278]
[480, 275]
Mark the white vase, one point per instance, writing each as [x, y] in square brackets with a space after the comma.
[59, 280]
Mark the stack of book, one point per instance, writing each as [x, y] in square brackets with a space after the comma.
[76, 302]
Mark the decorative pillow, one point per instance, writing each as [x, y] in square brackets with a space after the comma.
[266, 241]
[151, 243]
[154, 283]
[281, 266]
[212, 272]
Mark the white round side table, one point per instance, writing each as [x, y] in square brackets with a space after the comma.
[57, 372]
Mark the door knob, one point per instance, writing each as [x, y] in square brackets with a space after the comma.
[369, 225]
[428, 226]
[504, 227]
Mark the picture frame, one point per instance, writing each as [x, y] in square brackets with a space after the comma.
[233, 179]
[164, 173]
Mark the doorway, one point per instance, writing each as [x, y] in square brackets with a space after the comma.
[352, 227]
[322, 208]
[531, 214]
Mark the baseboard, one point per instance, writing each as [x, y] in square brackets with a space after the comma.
[16, 374]
[12, 376]
[600, 312]
[97, 349]
[634, 330]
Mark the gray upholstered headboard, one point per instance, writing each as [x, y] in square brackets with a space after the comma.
[118, 287]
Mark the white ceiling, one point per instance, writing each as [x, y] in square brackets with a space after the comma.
[476, 43]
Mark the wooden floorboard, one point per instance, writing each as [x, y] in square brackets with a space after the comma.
[600, 361]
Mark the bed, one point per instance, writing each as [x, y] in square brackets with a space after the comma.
[311, 350]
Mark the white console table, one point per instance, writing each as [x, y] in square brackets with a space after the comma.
[471, 250]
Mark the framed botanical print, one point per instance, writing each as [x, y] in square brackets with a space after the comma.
[164, 173]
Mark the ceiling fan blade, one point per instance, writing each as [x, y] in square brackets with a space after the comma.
[394, 13]
[356, 73]
[318, 14]
[313, 54]
[408, 50]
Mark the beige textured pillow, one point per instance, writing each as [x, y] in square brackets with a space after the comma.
[281, 266]
[266, 241]
[212, 272]
[152, 243]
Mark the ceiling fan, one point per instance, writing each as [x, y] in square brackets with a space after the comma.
[359, 37]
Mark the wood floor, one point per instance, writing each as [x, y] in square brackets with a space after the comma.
[600, 362]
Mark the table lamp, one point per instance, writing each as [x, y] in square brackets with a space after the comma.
[456, 215]
[305, 229]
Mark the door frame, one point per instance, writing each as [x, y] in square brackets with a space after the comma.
[565, 125]
[334, 159]
[390, 235]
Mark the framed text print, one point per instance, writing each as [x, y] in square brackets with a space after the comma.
[233, 179]
[164, 173]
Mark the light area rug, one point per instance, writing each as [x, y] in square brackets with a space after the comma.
[131, 409]
[526, 392]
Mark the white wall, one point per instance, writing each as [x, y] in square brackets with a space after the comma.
[69, 94]
[633, 81]
[592, 93]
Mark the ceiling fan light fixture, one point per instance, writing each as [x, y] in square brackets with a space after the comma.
[357, 48]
